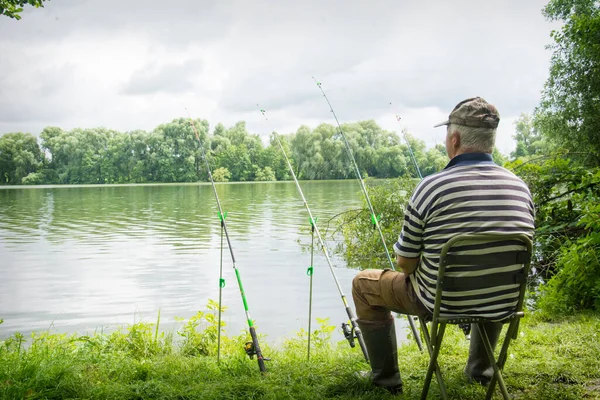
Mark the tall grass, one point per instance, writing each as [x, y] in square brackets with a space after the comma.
[548, 361]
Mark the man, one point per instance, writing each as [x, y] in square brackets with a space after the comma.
[471, 194]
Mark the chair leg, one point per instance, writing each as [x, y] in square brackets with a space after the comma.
[438, 373]
[511, 332]
[490, 353]
[434, 351]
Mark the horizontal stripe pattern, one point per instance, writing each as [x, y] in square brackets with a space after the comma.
[473, 198]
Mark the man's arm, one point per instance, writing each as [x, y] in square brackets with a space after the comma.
[407, 265]
[410, 243]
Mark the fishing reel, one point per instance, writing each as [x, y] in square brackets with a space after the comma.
[349, 334]
[250, 350]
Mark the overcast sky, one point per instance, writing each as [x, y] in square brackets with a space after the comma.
[136, 64]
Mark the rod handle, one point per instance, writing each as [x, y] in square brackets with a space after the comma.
[257, 351]
[361, 340]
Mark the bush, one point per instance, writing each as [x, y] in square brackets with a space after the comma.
[567, 242]
[221, 175]
[576, 286]
[362, 243]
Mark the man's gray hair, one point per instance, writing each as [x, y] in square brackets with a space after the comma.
[475, 139]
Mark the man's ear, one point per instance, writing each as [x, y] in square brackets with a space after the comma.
[455, 139]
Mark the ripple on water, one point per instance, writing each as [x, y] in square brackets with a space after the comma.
[90, 258]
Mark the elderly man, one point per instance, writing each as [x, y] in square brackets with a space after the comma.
[471, 194]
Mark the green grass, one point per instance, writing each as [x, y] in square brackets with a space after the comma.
[550, 360]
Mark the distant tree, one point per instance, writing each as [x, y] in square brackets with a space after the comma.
[13, 8]
[499, 158]
[528, 139]
[569, 113]
[436, 160]
[221, 175]
[264, 174]
[20, 155]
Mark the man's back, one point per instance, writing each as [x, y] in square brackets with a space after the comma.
[472, 195]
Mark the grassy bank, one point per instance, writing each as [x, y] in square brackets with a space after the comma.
[550, 360]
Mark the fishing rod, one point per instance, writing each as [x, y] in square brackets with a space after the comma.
[310, 272]
[352, 331]
[252, 348]
[374, 217]
[412, 155]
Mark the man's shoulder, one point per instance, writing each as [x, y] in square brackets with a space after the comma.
[432, 179]
[459, 175]
[510, 175]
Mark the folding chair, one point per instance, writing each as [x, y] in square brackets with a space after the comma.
[461, 251]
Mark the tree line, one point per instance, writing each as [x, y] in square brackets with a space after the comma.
[171, 153]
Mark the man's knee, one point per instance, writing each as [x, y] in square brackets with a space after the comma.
[359, 277]
[365, 280]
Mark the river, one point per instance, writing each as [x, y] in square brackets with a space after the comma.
[79, 259]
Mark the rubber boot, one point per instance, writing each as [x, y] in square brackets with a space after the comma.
[380, 339]
[478, 367]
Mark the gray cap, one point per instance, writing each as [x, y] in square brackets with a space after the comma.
[475, 113]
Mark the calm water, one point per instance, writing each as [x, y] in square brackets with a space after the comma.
[79, 259]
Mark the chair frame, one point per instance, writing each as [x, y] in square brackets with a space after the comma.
[438, 324]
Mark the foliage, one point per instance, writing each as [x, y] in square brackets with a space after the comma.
[528, 140]
[569, 112]
[362, 243]
[264, 174]
[202, 342]
[171, 153]
[13, 8]
[565, 194]
[576, 285]
[20, 155]
[221, 175]
[320, 338]
[553, 182]
[549, 361]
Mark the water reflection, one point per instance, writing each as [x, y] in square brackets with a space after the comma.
[86, 258]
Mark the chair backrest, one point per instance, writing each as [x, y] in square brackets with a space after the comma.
[482, 275]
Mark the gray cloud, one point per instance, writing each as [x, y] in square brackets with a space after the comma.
[33, 96]
[162, 22]
[134, 64]
[170, 78]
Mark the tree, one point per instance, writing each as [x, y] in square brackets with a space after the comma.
[264, 174]
[20, 155]
[437, 159]
[499, 158]
[176, 153]
[221, 175]
[170, 153]
[528, 140]
[391, 162]
[569, 113]
[12, 8]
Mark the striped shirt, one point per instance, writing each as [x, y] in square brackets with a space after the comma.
[471, 195]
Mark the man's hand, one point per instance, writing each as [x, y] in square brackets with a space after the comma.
[407, 265]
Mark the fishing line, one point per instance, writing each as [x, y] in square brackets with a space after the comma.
[252, 348]
[412, 155]
[374, 218]
[350, 332]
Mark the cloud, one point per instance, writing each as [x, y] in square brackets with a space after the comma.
[169, 78]
[187, 21]
[136, 64]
